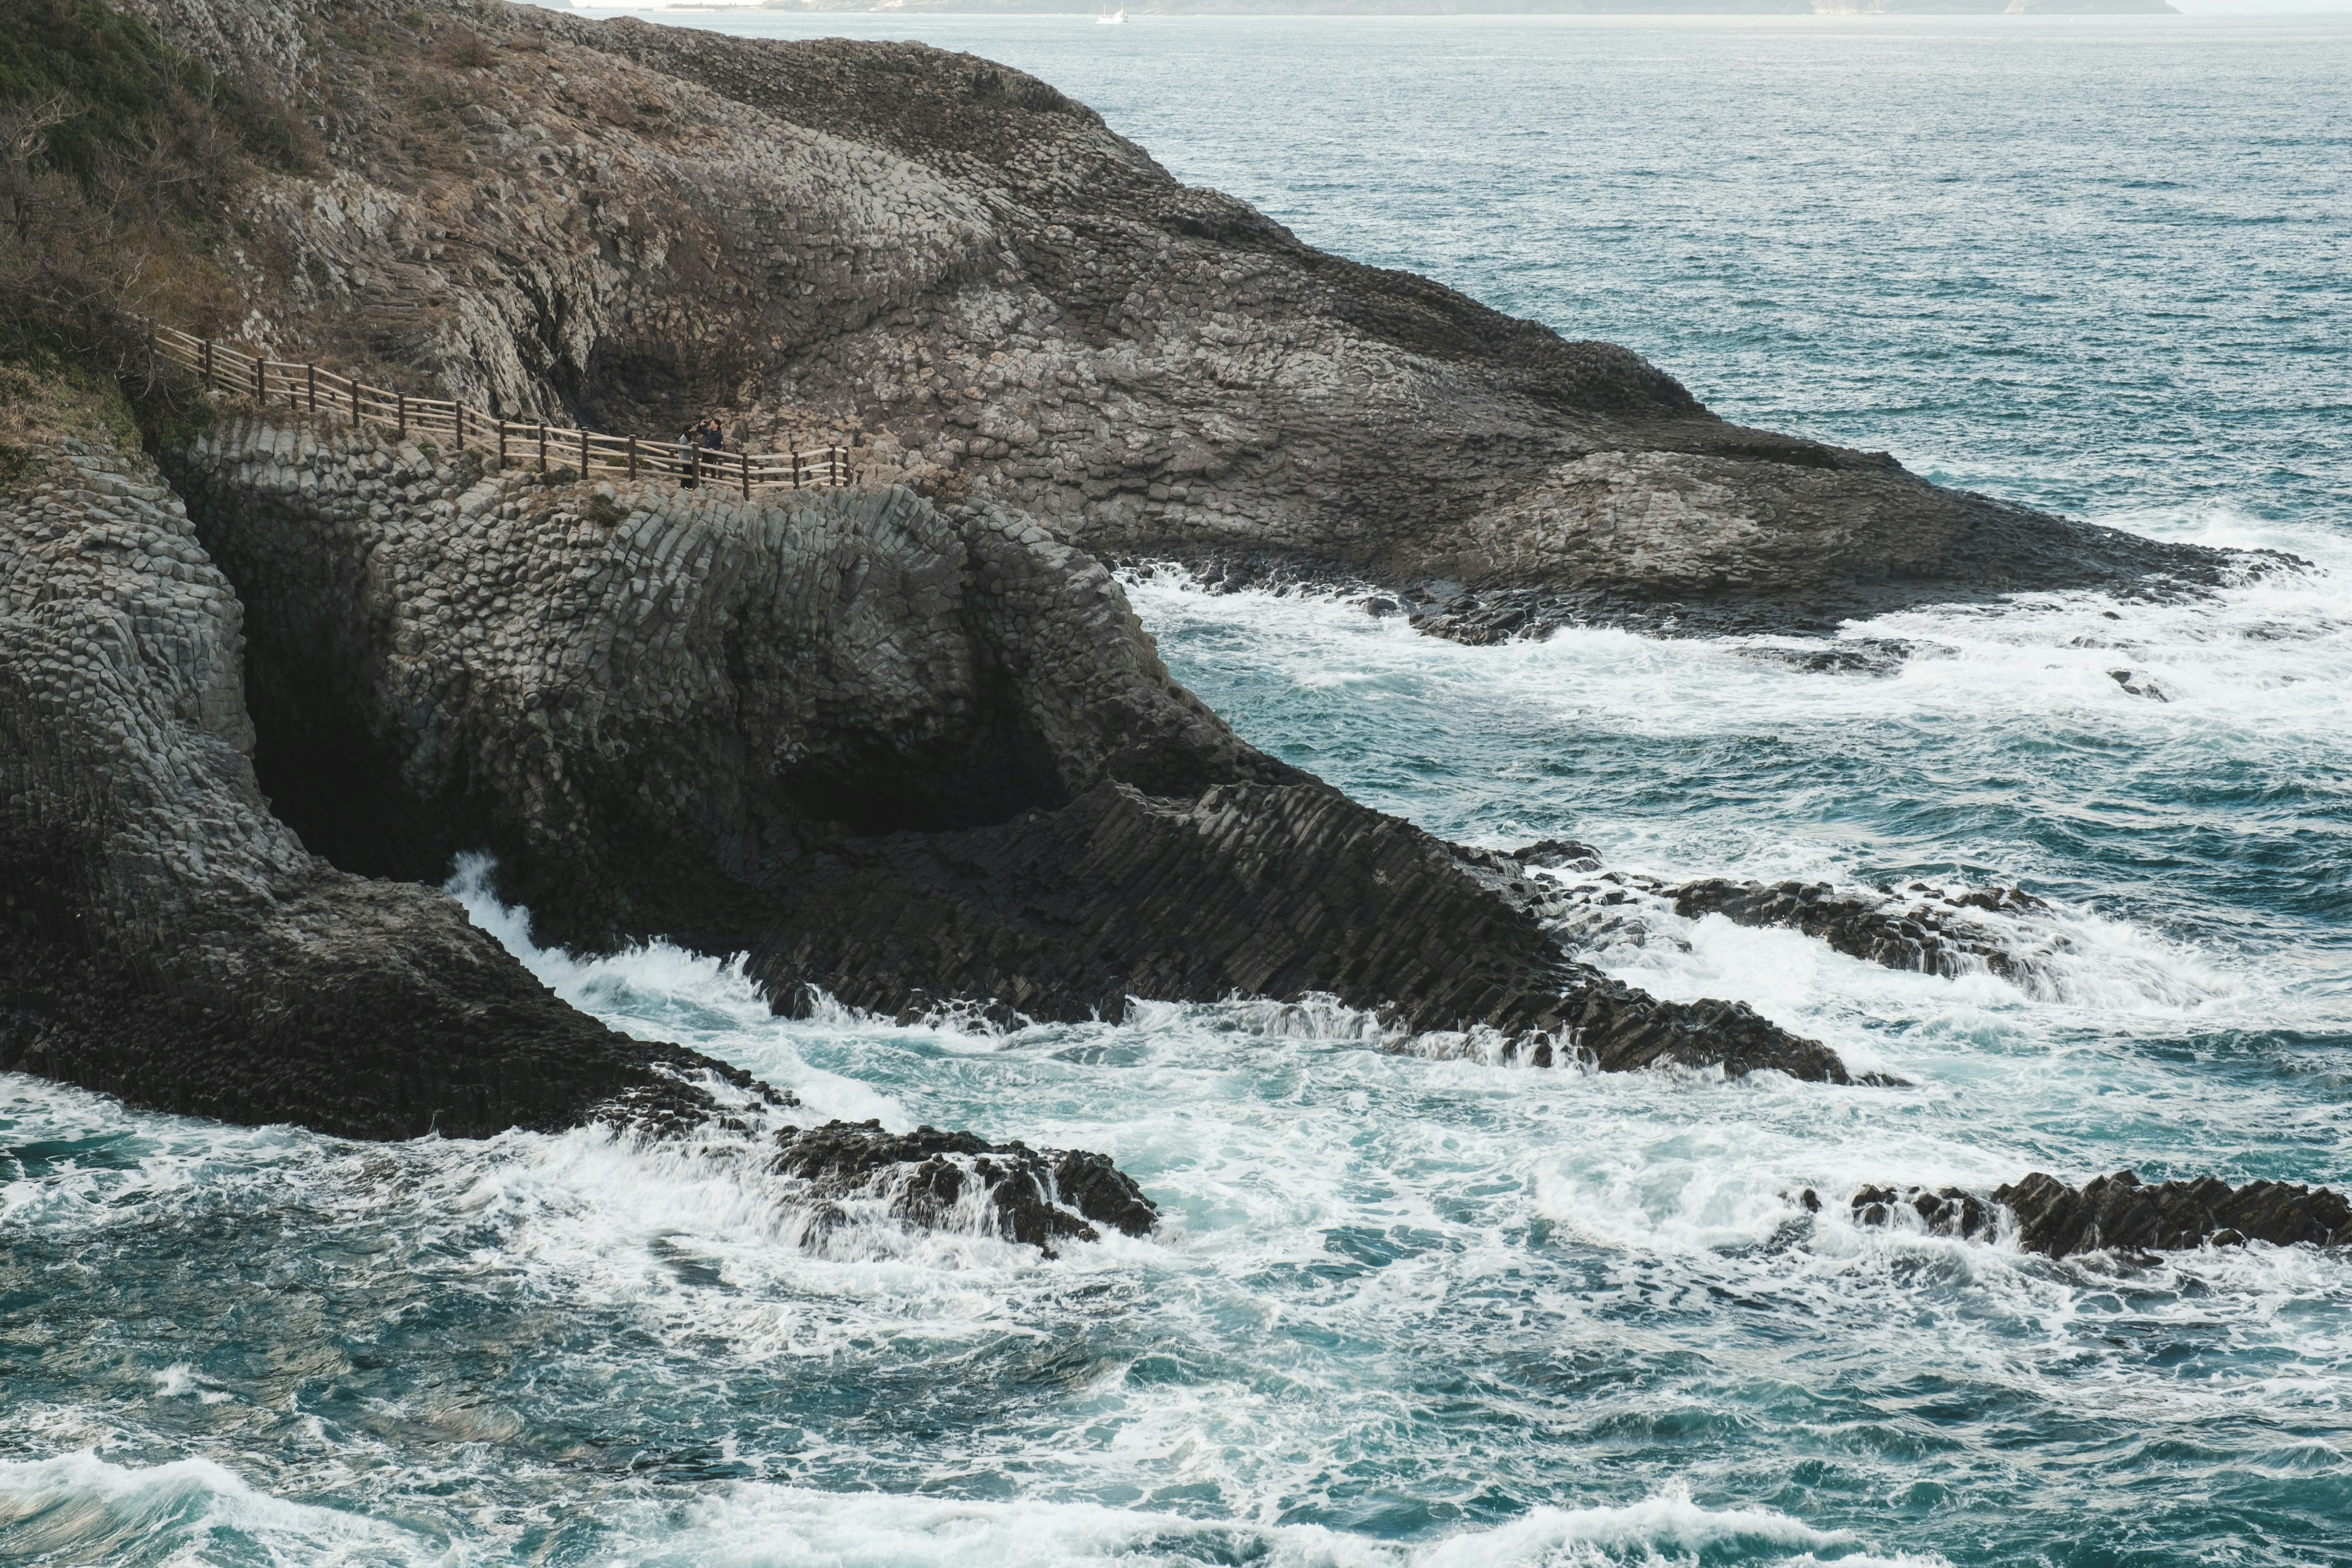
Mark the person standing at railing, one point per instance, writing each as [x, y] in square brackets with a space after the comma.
[689, 456]
[713, 439]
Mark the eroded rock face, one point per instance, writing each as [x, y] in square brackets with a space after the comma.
[169, 940]
[972, 277]
[904, 757]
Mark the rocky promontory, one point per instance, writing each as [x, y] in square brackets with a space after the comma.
[904, 757]
[995, 296]
[903, 745]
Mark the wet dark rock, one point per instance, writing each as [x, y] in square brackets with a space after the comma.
[1951, 1212]
[1922, 929]
[2123, 1214]
[917, 762]
[1558, 853]
[2140, 683]
[1858, 656]
[1037, 1197]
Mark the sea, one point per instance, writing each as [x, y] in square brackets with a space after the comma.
[1406, 1313]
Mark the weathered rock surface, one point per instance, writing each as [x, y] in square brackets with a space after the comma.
[975, 279]
[2122, 1214]
[906, 758]
[168, 940]
[171, 941]
[954, 1180]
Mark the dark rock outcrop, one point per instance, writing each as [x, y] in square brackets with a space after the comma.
[972, 277]
[2121, 1214]
[904, 757]
[168, 940]
[1924, 928]
[172, 943]
[936, 1179]
[1951, 1212]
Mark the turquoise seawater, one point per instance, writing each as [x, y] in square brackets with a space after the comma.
[1417, 1311]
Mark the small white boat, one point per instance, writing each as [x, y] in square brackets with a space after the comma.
[1113, 20]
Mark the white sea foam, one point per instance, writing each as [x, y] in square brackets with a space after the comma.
[752, 1527]
[79, 1508]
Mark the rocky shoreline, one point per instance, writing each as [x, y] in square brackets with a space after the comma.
[905, 746]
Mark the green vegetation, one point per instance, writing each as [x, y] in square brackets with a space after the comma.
[119, 159]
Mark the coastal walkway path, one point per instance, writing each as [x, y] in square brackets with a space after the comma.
[587, 453]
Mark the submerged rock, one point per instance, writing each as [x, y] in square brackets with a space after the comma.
[939, 1180]
[1922, 929]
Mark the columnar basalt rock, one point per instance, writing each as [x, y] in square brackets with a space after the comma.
[908, 758]
[169, 939]
[972, 274]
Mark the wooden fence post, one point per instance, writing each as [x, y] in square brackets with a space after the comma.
[404, 414]
[633, 456]
[744, 458]
[311, 372]
[584, 454]
[796, 467]
[543, 447]
[208, 364]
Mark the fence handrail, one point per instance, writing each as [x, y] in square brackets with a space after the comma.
[318, 390]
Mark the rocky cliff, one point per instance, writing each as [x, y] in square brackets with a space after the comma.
[905, 746]
[171, 941]
[973, 277]
[903, 757]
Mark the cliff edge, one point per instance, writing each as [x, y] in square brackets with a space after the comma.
[956, 266]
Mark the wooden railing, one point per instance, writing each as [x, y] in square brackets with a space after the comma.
[588, 454]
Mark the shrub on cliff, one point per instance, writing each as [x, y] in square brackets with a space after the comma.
[120, 157]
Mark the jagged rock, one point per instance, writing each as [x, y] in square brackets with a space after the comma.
[1033, 1196]
[1951, 1212]
[1921, 931]
[952, 264]
[907, 758]
[2122, 1214]
[168, 940]
[1558, 854]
